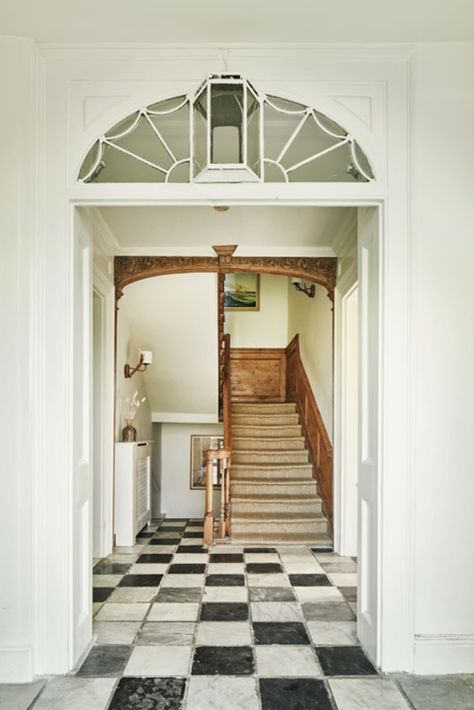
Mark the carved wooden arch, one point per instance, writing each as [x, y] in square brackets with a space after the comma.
[320, 270]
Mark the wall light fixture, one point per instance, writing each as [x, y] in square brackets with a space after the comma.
[145, 360]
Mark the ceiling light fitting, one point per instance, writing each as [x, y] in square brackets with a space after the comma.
[301, 286]
[146, 357]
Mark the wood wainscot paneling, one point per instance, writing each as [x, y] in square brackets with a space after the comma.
[258, 374]
[299, 390]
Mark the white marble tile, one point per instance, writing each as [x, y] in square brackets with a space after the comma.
[262, 557]
[226, 568]
[173, 534]
[273, 661]
[128, 550]
[192, 541]
[166, 633]
[174, 611]
[226, 550]
[159, 549]
[19, 696]
[217, 692]
[186, 558]
[223, 633]
[122, 612]
[225, 594]
[318, 594]
[333, 633]
[96, 606]
[276, 611]
[343, 580]
[183, 580]
[268, 580]
[122, 558]
[367, 694]
[195, 528]
[159, 661]
[115, 632]
[148, 568]
[302, 567]
[132, 594]
[70, 693]
[106, 580]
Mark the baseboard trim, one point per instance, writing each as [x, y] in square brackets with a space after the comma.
[16, 664]
[444, 653]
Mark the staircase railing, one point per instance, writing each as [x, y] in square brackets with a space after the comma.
[220, 456]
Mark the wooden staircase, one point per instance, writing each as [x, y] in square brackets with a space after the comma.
[273, 492]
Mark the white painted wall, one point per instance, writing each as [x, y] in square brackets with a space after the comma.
[177, 498]
[128, 352]
[311, 318]
[156, 471]
[175, 317]
[442, 352]
[268, 327]
[17, 354]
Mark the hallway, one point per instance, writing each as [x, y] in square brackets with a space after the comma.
[237, 627]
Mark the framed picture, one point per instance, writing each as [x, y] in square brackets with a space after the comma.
[242, 292]
[199, 445]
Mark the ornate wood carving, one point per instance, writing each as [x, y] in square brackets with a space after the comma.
[320, 270]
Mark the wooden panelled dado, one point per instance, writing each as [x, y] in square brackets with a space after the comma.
[258, 374]
[299, 390]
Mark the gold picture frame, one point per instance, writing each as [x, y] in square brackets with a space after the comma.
[200, 443]
[242, 292]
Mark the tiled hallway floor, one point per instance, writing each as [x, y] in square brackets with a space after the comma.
[248, 628]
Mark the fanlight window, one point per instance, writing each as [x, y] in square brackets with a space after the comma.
[226, 132]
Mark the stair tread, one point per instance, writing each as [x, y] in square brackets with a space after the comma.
[275, 498]
[279, 517]
[269, 466]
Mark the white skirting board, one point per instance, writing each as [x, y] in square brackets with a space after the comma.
[441, 654]
[16, 664]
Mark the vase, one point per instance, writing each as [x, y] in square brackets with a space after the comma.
[129, 433]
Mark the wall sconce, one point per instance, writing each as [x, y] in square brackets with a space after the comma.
[145, 360]
[301, 286]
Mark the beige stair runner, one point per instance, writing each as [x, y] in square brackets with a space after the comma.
[274, 494]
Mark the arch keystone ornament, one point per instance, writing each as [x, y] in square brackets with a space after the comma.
[226, 132]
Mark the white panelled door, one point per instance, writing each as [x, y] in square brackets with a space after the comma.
[81, 563]
[369, 335]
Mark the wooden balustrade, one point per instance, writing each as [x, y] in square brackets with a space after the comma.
[298, 389]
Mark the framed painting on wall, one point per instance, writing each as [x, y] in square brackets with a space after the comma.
[242, 292]
[199, 445]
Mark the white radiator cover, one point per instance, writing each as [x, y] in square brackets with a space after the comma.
[132, 490]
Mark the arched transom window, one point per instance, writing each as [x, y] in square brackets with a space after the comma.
[226, 132]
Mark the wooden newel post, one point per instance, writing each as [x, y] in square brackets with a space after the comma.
[208, 510]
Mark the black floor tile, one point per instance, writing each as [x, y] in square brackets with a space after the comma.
[344, 660]
[148, 694]
[151, 558]
[263, 567]
[187, 569]
[222, 611]
[193, 534]
[141, 580]
[271, 594]
[106, 567]
[193, 549]
[179, 594]
[226, 558]
[144, 534]
[223, 660]
[321, 549]
[284, 633]
[225, 580]
[259, 549]
[172, 528]
[100, 594]
[105, 661]
[165, 541]
[294, 694]
[309, 580]
[177, 520]
[349, 593]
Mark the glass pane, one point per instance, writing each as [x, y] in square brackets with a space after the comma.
[144, 142]
[89, 161]
[180, 173]
[122, 126]
[200, 133]
[226, 123]
[167, 105]
[273, 173]
[363, 162]
[285, 105]
[331, 167]
[120, 167]
[174, 129]
[309, 141]
[329, 125]
[253, 133]
[277, 129]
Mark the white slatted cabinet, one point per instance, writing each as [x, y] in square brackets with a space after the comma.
[132, 490]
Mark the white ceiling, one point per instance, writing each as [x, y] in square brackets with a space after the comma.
[257, 230]
[245, 21]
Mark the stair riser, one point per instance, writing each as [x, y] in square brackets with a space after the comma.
[321, 539]
[265, 419]
[263, 527]
[252, 506]
[304, 489]
[254, 444]
[264, 431]
[277, 408]
[271, 473]
[269, 457]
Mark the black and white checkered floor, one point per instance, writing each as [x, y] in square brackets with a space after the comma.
[254, 628]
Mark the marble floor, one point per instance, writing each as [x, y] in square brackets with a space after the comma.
[179, 627]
